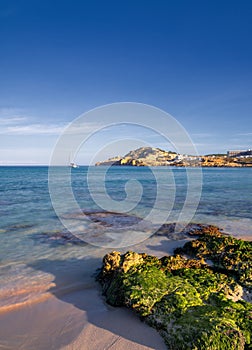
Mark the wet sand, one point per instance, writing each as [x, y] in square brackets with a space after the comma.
[80, 320]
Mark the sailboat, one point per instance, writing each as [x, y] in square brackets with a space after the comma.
[73, 164]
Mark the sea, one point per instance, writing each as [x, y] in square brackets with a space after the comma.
[56, 224]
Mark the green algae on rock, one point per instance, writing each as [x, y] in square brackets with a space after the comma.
[232, 255]
[192, 305]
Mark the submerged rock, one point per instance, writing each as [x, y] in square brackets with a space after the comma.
[107, 228]
[192, 305]
[58, 237]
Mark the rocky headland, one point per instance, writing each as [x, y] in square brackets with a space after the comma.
[148, 156]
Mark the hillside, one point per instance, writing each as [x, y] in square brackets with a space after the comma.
[144, 156]
[148, 156]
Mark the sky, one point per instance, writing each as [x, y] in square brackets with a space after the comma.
[60, 59]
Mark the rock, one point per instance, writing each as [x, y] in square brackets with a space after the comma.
[228, 254]
[192, 305]
[111, 262]
[131, 259]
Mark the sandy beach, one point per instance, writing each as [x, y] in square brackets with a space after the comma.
[80, 319]
[77, 319]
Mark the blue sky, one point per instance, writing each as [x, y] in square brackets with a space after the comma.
[59, 59]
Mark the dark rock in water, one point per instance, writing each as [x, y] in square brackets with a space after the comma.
[106, 218]
[60, 237]
[112, 219]
[99, 223]
[179, 230]
[19, 226]
[95, 227]
[106, 228]
[192, 305]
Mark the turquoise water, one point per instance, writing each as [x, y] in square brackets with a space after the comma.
[37, 253]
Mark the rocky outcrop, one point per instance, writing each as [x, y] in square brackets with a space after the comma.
[234, 256]
[192, 305]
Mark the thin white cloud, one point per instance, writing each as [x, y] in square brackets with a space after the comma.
[7, 128]
[12, 116]
[12, 120]
[32, 129]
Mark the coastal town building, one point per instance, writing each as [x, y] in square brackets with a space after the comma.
[239, 153]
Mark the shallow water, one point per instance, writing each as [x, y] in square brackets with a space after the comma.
[38, 254]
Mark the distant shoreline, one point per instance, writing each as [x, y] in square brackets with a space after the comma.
[118, 165]
[180, 166]
[148, 156]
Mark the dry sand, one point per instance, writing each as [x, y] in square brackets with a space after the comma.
[80, 320]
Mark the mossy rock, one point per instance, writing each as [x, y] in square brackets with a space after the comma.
[218, 324]
[192, 305]
[139, 289]
[200, 328]
[232, 256]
